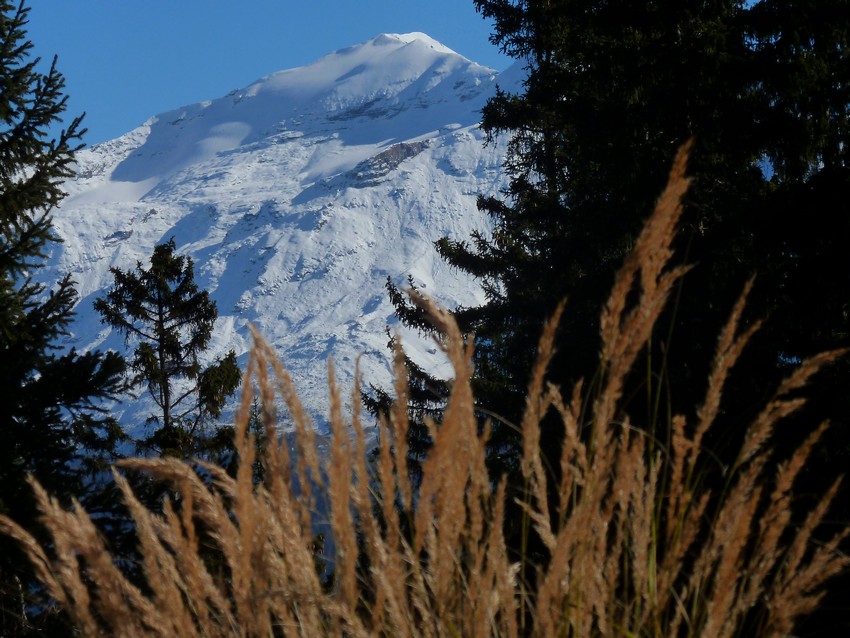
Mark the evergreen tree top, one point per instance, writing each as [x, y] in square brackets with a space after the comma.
[32, 166]
[170, 320]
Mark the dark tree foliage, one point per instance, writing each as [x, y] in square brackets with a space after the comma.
[613, 89]
[52, 422]
[170, 320]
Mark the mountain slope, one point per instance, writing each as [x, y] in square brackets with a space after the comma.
[296, 197]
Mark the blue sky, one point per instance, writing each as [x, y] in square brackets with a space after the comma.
[127, 60]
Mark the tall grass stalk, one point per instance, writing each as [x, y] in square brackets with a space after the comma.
[637, 545]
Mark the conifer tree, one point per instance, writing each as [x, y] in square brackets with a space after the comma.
[170, 320]
[613, 89]
[52, 421]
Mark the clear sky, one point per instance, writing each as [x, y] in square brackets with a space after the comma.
[126, 60]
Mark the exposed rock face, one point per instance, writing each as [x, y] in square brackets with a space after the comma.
[371, 171]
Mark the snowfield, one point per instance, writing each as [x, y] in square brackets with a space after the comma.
[296, 197]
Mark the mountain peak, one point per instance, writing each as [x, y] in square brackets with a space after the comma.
[385, 90]
[415, 36]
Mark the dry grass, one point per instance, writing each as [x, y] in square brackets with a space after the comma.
[637, 546]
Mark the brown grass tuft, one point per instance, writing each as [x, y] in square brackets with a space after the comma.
[637, 545]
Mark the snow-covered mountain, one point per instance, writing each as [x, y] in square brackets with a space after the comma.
[296, 197]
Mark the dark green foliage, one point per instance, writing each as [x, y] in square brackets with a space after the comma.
[161, 310]
[52, 423]
[613, 89]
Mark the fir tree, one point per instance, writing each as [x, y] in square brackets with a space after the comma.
[52, 421]
[613, 89]
[170, 320]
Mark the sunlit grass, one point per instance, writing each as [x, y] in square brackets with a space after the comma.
[636, 544]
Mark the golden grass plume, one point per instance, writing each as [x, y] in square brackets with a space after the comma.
[637, 546]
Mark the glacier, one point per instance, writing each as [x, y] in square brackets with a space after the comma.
[297, 197]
